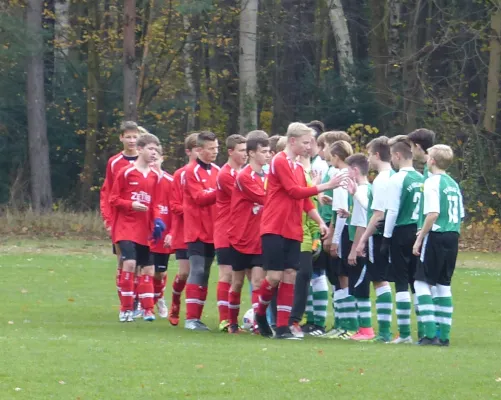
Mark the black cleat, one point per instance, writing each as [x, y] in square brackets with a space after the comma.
[424, 341]
[443, 343]
[284, 332]
[263, 326]
[307, 328]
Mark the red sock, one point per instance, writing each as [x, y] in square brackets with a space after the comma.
[233, 306]
[266, 292]
[192, 300]
[202, 298]
[145, 292]
[117, 281]
[222, 299]
[255, 299]
[136, 284]
[159, 287]
[177, 288]
[285, 298]
[127, 291]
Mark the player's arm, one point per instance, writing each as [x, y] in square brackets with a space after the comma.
[225, 183]
[104, 196]
[431, 210]
[280, 168]
[115, 198]
[201, 196]
[393, 205]
[251, 189]
[312, 212]
[176, 196]
[358, 219]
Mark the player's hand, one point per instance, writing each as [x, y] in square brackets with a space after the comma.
[352, 258]
[316, 248]
[324, 199]
[158, 229]
[339, 180]
[316, 178]
[168, 241]
[333, 250]
[324, 230]
[351, 186]
[384, 250]
[416, 249]
[137, 206]
[343, 213]
[360, 250]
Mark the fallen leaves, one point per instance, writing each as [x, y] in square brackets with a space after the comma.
[62, 382]
[10, 322]
[18, 389]
[498, 379]
[199, 366]
[304, 380]
[71, 299]
[24, 291]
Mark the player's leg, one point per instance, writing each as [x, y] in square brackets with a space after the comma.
[410, 233]
[320, 295]
[118, 275]
[161, 261]
[178, 285]
[138, 310]
[301, 291]
[364, 308]
[128, 254]
[195, 286]
[145, 288]
[223, 286]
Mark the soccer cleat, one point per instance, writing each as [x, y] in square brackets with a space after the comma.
[284, 332]
[122, 316]
[307, 328]
[162, 309]
[381, 339]
[333, 333]
[296, 330]
[149, 315]
[401, 340]
[129, 316]
[424, 341]
[223, 325]
[174, 314]
[364, 334]
[202, 326]
[443, 343]
[138, 310]
[195, 325]
[262, 325]
[317, 331]
[347, 335]
[235, 329]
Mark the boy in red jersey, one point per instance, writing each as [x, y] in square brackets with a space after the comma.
[132, 199]
[282, 229]
[128, 137]
[159, 252]
[175, 238]
[245, 215]
[199, 203]
[225, 184]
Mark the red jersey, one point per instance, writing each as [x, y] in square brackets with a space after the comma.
[287, 197]
[176, 207]
[199, 201]
[162, 205]
[131, 185]
[225, 184]
[115, 164]
[246, 209]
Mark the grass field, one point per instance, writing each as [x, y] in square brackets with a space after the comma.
[60, 339]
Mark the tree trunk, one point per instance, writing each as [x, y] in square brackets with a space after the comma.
[146, 48]
[130, 85]
[41, 190]
[247, 66]
[62, 33]
[191, 97]
[76, 12]
[93, 96]
[492, 98]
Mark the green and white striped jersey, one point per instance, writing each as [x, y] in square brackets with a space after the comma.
[378, 194]
[442, 195]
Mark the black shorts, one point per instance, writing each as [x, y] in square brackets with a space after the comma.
[403, 262]
[181, 254]
[438, 258]
[241, 261]
[344, 249]
[358, 279]
[132, 251]
[224, 256]
[280, 253]
[199, 248]
[161, 261]
[114, 250]
[377, 265]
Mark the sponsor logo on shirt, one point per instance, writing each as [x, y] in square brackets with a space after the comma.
[141, 196]
[256, 209]
[164, 210]
[133, 183]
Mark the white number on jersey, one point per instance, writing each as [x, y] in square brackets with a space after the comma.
[453, 209]
[417, 201]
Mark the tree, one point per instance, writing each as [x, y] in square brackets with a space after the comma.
[40, 181]
[247, 66]
[130, 85]
[491, 102]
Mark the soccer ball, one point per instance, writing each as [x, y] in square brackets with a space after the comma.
[248, 321]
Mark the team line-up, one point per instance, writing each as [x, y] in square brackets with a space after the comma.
[291, 213]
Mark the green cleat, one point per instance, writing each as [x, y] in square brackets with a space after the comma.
[224, 325]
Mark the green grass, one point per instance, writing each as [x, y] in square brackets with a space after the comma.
[60, 339]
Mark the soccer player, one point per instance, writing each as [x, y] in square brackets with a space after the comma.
[437, 246]
[281, 229]
[403, 204]
[421, 140]
[135, 215]
[237, 157]
[128, 136]
[159, 252]
[175, 238]
[370, 242]
[199, 203]
[244, 234]
[318, 165]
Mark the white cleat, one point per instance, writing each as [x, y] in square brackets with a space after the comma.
[399, 340]
[129, 316]
[297, 331]
[163, 311]
[122, 316]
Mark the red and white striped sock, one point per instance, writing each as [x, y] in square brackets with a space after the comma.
[117, 282]
[202, 298]
[233, 306]
[159, 287]
[177, 289]
[285, 298]
[222, 299]
[192, 301]
[127, 291]
[145, 292]
[266, 292]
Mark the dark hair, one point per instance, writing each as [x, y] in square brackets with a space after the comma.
[256, 139]
[380, 145]
[128, 126]
[191, 141]
[147, 139]
[233, 140]
[401, 144]
[205, 136]
[423, 137]
[359, 160]
[317, 126]
[273, 142]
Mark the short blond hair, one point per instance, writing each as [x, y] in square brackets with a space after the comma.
[281, 144]
[327, 138]
[342, 149]
[442, 154]
[298, 129]
[142, 130]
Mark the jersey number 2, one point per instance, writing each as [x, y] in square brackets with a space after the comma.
[416, 200]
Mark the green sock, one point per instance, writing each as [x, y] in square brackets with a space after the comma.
[320, 291]
[309, 308]
[350, 313]
[427, 313]
[364, 312]
[384, 308]
[403, 309]
[444, 316]
[420, 322]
